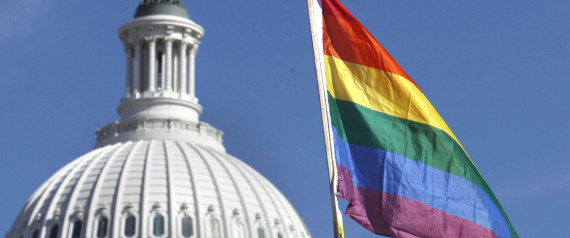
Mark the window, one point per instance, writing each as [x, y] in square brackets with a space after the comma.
[54, 230]
[279, 235]
[187, 227]
[102, 227]
[76, 229]
[214, 231]
[36, 233]
[130, 224]
[238, 229]
[158, 225]
[260, 232]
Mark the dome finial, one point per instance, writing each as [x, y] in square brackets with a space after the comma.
[161, 7]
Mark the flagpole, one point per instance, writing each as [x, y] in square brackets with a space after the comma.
[331, 165]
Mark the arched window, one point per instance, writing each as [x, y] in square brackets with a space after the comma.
[102, 227]
[130, 225]
[76, 233]
[214, 225]
[158, 225]
[36, 233]
[279, 235]
[260, 232]
[54, 230]
[238, 229]
[187, 229]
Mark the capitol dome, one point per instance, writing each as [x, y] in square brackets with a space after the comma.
[159, 171]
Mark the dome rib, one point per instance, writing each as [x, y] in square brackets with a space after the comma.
[217, 187]
[257, 196]
[170, 194]
[63, 179]
[41, 198]
[170, 172]
[48, 197]
[272, 198]
[194, 188]
[94, 197]
[288, 209]
[145, 193]
[291, 213]
[75, 191]
[40, 194]
[37, 198]
[239, 192]
[117, 197]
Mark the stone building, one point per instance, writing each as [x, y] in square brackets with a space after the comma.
[159, 171]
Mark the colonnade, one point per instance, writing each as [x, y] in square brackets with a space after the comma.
[160, 65]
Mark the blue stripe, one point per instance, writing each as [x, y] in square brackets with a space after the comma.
[385, 171]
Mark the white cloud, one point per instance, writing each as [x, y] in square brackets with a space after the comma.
[18, 17]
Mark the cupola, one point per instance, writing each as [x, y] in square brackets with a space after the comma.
[160, 45]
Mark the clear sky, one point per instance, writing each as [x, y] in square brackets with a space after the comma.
[497, 72]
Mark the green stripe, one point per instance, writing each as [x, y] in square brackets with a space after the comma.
[359, 125]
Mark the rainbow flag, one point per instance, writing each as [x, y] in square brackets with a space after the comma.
[399, 165]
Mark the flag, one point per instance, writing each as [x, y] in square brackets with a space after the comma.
[398, 164]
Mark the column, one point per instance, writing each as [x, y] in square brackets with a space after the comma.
[151, 64]
[137, 70]
[182, 79]
[191, 70]
[129, 51]
[175, 64]
[168, 68]
[162, 74]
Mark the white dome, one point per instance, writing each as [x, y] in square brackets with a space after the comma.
[149, 177]
[159, 171]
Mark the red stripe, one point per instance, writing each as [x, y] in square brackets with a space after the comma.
[345, 38]
[335, 9]
[392, 215]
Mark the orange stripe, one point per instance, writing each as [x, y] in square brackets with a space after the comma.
[345, 38]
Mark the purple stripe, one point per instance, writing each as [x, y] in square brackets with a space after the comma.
[384, 171]
[392, 215]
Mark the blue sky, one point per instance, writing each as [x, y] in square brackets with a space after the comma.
[497, 72]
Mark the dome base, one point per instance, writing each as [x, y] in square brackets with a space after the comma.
[166, 129]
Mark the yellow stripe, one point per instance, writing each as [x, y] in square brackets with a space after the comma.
[381, 91]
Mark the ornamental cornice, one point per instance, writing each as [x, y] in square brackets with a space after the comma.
[151, 38]
[183, 45]
[168, 40]
[158, 129]
[169, 29]
[187, 33]
[197, 35]
[176, 24]
[194, 49]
